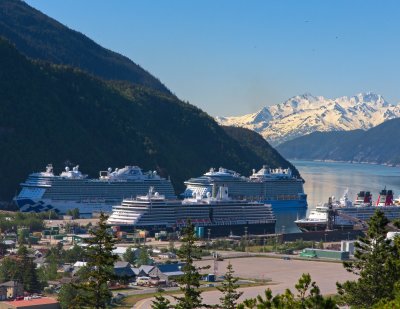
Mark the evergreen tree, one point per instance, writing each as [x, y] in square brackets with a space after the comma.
[229, 289]
[308, 297]
[376, 264]
[50, 270]
[76, 253]
[29, 271]
[190, 280]
[74, 213]
[100, 263]
[130, 256]
[143, 258]
[10, 269]
[171, 246]
[69, 297]
[161, 303]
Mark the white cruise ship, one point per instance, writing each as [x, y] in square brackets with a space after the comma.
[221, 214]
[277, 187]
[71, 189]
[348, 214]
[318, 219]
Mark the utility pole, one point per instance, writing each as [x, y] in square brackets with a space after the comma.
[245, 237]
[215, 264]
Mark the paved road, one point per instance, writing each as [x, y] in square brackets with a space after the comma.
[283, 273]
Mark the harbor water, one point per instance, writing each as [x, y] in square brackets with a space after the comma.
[324, 179]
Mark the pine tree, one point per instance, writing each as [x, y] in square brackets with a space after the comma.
[376, 264]
[144, 257]
[161, 303]
[308, 297]
[29, 271]
[229, 289]
[130, 256]
[100, 265]
[69, 297]
[190, 280]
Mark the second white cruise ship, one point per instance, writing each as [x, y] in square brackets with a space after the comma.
[277, 187]
[221, 215]
[71, 189]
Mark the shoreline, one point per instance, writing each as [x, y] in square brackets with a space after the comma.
[339, 161]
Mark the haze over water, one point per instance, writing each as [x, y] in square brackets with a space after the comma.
[324, 179]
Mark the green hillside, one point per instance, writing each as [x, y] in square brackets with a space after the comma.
[254, 142]
[41, 37]
[57, 114]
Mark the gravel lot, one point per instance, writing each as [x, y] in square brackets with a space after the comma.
[283, 273]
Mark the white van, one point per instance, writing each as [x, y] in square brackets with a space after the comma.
[143, 280]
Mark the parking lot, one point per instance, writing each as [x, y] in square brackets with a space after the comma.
[283, 273]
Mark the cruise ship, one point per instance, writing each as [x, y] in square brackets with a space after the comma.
[277, 187]
[318, 219]
[219, 215]
[346, 214]
[366, 210]
[71, 189]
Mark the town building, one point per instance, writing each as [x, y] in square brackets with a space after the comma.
[166, 272]
[31, 303]
[12, 289]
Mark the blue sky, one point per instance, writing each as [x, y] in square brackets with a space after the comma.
[234, 57]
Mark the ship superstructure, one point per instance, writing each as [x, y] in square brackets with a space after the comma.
[322, 218]
[364, 198]
[385, 198]
[277, 187]
[221, 214]
[71, 189]
[358, 212]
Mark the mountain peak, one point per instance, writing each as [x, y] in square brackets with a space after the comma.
[302, 97]
[306, 113]
[370, 97]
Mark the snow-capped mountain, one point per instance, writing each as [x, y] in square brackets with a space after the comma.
[306, 113]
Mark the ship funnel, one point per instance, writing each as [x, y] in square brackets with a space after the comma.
[214, 191]
[223, 193]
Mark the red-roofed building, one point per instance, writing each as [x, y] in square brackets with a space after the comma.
[37, 303]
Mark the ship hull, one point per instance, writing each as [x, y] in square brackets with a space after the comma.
[365, 213]
[310, 227]
[286, 204]
[360, 213]
[86, 195]
[61, 207]
[215, 230]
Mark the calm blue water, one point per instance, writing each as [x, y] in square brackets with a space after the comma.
[324, 179]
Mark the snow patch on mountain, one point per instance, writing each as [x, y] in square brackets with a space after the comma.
[306, 113]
